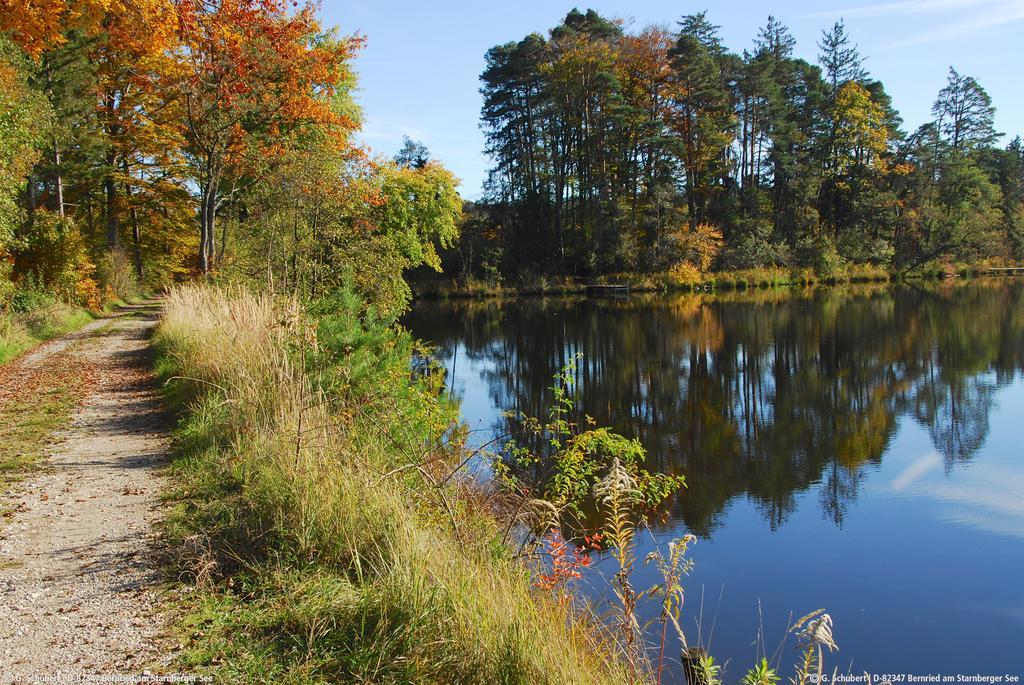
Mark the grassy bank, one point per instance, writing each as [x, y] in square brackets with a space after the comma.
[649, 283]
[693, 281]
[21, 331]
[33, 404]
[316, 519]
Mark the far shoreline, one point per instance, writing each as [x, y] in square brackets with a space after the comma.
[723, 281]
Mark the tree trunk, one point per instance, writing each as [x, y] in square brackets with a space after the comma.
[204, 264]
[137, 239]
[133, 212]
[207, 224]
[211, 232]
[58, 180]
[90, 217]
[30, 193]
[223, 242]
[113, 226]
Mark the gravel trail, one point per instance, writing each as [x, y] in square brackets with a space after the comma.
[78, 572]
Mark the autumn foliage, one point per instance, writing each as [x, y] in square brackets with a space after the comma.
[565, 562]
[175, 121]
[253, 79]
[606, 140]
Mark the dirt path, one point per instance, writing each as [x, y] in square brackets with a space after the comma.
[78, 579]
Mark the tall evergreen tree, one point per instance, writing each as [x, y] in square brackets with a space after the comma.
[701, 115]
[964, 113]
[413, 155]
[839, 58]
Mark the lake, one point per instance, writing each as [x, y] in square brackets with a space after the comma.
[855, 448]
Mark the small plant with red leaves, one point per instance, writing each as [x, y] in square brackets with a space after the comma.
[567, 560]
[594, 541]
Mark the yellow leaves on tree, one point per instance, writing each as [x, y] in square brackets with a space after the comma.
[35, 25]
[861, 136]
[39, 25]
[18, 133]
[249, 66]
[698, 247]
[644, 72]
[422, 207]
[25, 118]
[188, 98]
[577, 72]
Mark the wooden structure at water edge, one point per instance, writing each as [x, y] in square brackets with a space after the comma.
[609, 289]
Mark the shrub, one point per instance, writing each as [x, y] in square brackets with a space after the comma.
[699, 246]
[685, 273]
[819, 252]
[53, 256]
[116, 275]
[28, 297]
[755, 248]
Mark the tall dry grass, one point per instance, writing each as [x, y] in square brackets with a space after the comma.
[340, 554]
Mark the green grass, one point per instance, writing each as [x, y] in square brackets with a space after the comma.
[29, 416]
[22, 331]
[340, 556]
[743, 279]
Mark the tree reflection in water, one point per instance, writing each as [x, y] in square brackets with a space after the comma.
[762, 394]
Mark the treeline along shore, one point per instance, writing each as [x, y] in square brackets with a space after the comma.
[321, 526]
[666, 155]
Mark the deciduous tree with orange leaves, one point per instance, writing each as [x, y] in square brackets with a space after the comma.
[252, 77]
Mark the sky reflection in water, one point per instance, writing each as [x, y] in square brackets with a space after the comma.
[858, 449]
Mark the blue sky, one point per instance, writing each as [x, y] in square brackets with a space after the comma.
[419, 71]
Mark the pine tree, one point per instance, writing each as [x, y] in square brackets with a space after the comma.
[840, 58]
[413, 155]
[701, 116]
[964, 113]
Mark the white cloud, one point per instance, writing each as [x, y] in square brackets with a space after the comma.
[373, 130]
[958, 17]
[900, 7]
[992, 17]
[915, 470]
[985, 497]
[376, 130]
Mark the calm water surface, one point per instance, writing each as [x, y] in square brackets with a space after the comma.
[857, 449]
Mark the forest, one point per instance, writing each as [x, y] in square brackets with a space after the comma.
[144, 143]
[661, 150]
